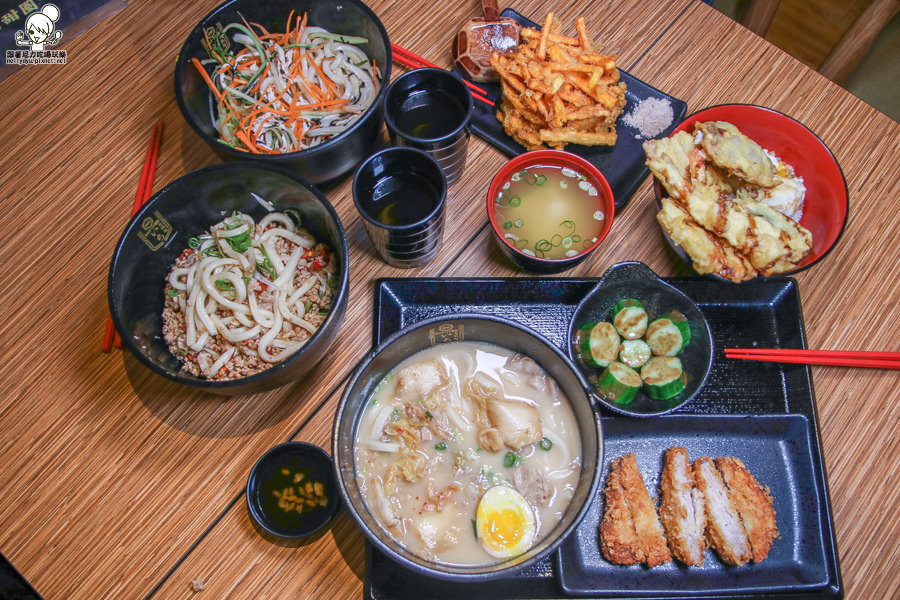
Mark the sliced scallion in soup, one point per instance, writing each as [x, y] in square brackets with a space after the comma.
[444, 430]
[549, 212]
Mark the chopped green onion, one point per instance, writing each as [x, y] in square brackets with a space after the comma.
[440, 446]
[294, 214]
[266, 267]
[475, 529]
[510, 460]
[222, 284]
[546, 443]
[194, 243]
[172, 293]
[239, 243]
[428, 414]
[394, 415]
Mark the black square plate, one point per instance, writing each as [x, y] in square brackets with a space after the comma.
[762, 413]
[775, 448]
[622, 165]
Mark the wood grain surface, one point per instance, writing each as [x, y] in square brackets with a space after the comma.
[115, 483]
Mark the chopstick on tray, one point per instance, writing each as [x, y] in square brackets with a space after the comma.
[414, 61]
[145, 188]
[834, 358]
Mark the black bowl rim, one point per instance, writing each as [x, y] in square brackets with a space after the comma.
[657, 190]
[430, 217]
[285, 156]
[587, 300]
[389, 119]
[309, 451]
[514, 567]
[342, 288]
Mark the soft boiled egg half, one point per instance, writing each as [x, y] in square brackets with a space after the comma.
[505, 522]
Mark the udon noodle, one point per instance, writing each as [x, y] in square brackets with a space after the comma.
[468, 453]
[247, 295]
[285, 92]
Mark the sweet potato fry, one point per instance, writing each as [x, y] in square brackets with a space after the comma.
[559, 89]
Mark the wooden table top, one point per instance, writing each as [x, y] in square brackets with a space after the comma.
[117, 484]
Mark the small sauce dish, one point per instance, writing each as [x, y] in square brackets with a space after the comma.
[292, 491]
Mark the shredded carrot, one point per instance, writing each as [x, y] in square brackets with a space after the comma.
[238, 75]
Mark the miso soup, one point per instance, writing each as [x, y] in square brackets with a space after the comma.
[550, 212]
[468, 453]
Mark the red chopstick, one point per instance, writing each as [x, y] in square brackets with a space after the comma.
[110, 336]
[835, 358]
[413, 61]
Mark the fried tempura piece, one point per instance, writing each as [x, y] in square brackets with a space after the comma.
[682, 510]
[757, 231]
[730, 149]
[752, 503]
[724, 531]
[669, 159]
[640, 537]
[708, 253]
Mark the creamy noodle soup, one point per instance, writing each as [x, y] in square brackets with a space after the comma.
[468, 453]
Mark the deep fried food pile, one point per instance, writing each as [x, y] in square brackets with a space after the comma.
[716, 503]
[724, 190]
[559, 89]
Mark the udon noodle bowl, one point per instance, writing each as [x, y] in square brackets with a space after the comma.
[276, 92]
[468, 453]
[246, 296]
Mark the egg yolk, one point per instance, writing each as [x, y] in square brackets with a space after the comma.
[505, 527]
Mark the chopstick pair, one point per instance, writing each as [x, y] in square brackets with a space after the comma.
[414, 61]
[145, 189]
[833, 358]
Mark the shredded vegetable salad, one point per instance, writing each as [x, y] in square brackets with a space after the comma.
[285, 92]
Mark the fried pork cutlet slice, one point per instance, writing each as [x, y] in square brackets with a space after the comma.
[753, 504]
[618, 540]
[640, 535]
[682, 510]
[643, 513]
[724, 531]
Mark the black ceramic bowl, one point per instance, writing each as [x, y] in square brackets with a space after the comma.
[423, 335]
[187, 207]
[287, 468]
[323, 163]
[637, 280]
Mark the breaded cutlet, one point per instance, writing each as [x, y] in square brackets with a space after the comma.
[682, 509]
[648, 543]
[724, 531]
[618, 540]
[753, 505]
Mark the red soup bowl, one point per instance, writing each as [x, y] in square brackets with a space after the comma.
[577, 247]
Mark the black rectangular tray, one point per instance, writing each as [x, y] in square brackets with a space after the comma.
[623, 165]
[745, 409]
